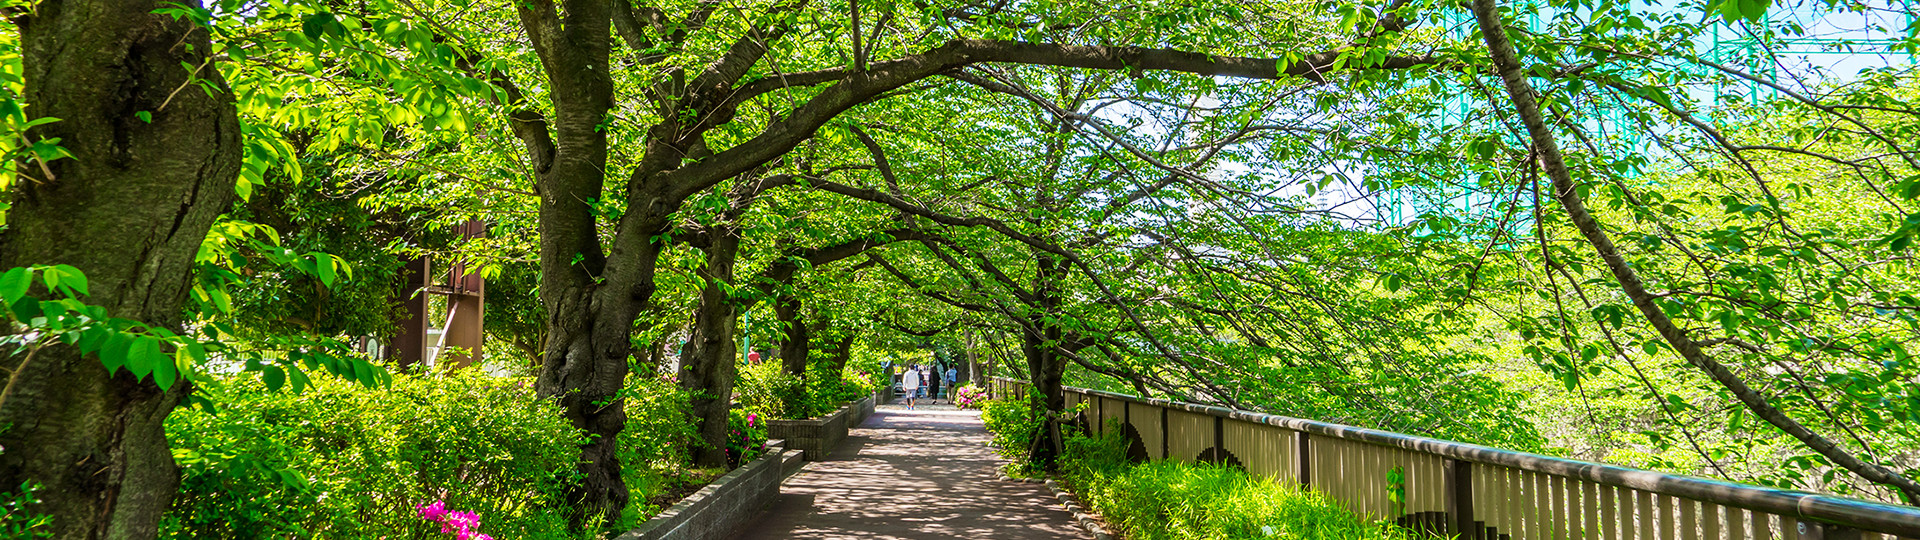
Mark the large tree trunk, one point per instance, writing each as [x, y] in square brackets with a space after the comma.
[842, 353]
[1046, 367]
[708, 368]
[130, 208]
[794, 350]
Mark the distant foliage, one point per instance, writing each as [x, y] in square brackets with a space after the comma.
[341, 461]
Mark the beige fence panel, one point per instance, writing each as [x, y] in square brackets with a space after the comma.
[1111, 410]
[1146, 419]
[1510, 495]
[1190, 434]
[1264, 450]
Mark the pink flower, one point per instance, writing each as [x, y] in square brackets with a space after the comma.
[462, 521]
[463, 525]
[433, 512]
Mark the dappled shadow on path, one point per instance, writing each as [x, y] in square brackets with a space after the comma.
[924, 473]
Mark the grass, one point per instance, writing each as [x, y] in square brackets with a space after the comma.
[1176, 500]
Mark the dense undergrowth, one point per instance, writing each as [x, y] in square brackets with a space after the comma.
[343, 461]
[1178, 500]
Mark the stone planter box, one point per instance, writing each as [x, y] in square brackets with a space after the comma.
[725, 506]
[817, 437]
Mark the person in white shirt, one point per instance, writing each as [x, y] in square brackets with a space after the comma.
[910, 381]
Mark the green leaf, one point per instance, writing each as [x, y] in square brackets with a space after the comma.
[113, 352]
[143, 356]
[274, 377]
[51, 276]
[25, 309]
[316, 24]
[144, 116]
[14, 284]
[299, 378]
[72, 278]
[323, 268]
[164, 371]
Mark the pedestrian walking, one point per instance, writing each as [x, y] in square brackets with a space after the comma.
[952, 378]
[934, 385]
[910, 382]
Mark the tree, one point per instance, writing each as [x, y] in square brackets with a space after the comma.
[150, 148]
[1567, 191]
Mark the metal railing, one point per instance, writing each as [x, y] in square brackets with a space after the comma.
[1473, 491]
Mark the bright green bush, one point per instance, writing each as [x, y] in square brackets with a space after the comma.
[654, 448]
[1012, 423]
[767, 390]
[343, 461]
[1171, 499]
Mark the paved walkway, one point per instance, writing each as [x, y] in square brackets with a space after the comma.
[923, 473]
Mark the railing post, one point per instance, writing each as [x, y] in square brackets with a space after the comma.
[1814, 530]
[1219, 440]
[1166, 435]
[1302, 459]
[1457, 477]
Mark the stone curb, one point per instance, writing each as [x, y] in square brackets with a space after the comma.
[1080, 514]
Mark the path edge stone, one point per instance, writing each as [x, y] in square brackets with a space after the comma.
[1080, 513]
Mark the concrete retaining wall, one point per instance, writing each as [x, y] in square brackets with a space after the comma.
[817, 437]
[724, 506]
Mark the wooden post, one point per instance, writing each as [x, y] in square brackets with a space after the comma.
[1219, 440]
[1457, 477]
[410, 344]
[1303, 459]
[1166, 435]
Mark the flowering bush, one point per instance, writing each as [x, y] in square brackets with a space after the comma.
[462, 525]
[746, 434]
[969, 396]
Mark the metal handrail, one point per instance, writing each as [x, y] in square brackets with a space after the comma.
[1858, 514]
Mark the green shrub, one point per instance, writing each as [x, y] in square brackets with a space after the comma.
[654, 447]
[1171, 499]
[17, 520]
[343, 461]
[1012, 423]
[657, 433]
[768, 390]
[746, 436]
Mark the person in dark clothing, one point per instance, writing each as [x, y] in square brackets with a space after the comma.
[933, 385]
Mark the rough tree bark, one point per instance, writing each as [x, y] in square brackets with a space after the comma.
[1507, 62]
[708, 367]
[130, 209]
[794, 349]
[1046, 366]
